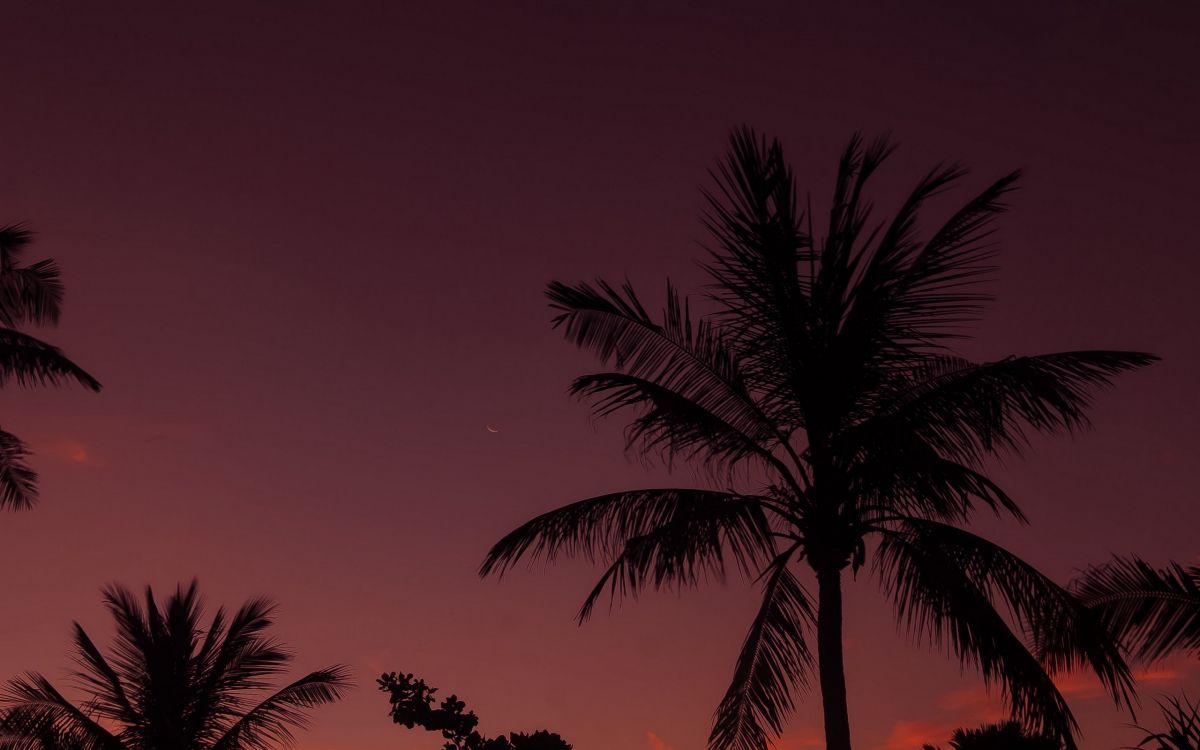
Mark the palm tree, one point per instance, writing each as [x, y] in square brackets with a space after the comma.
[1007, 736]
[169, 683]
[1155, 610]
[822, 397]
[29, 294]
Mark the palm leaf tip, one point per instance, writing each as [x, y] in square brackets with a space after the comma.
[30, 362]
[949, 587]
[1153, 610]
[773, 664]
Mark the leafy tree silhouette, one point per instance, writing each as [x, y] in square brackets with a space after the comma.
[170, 683]
[413, 706]
[824, 399]
[29, 295]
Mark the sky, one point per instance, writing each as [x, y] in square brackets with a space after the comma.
[305, 246]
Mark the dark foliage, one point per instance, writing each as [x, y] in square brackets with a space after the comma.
[1007, 736]
[1182, 732]
[413, 706]
[1156, 610]
[29, 295]
[823, 398]
[169, 681]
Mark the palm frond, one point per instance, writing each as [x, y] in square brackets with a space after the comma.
[1154, 610]
[882, 269]
[31, 294]
[232, 660]
[677, 355]
[761, 269]
[14, 238]
[35, 710]
[18, 482]
[908, 477]
[911, 295]
[132, 640]
[600, 527]
[1009, 735]
[935, 292]
[671, 425]
[947, 583]
[100, 680]
[29, 362]
[848, 216]
[965, 411]
[774, 661]
[1182, 732]
[753, 217]
[687, 549]
[270, 723]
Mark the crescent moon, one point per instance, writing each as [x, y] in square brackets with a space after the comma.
[493, 428]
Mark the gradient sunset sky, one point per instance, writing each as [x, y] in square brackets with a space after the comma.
[305, 244]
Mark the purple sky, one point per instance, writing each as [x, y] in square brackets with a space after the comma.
[305, 246]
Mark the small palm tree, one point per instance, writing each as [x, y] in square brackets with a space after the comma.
[824, 398]
[1007, 736]
[1155, 610]
[29, 294]
[169, 683]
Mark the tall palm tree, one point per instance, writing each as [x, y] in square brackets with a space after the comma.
[29, 295]
[823, 398]
[169, 683]
[1155, 610]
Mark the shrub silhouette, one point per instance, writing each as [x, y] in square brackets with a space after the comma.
[413, 706]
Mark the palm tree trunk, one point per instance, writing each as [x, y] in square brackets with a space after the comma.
[829, 659]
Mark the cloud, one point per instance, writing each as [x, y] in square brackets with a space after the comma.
[1085, 685]
[1163, 674]
[799, 740]
[964, 707]
[912, 735]
[972, 704]
[654, 742]
[73, 451]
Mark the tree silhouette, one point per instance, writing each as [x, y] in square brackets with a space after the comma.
[1006, 736]
[29, 294]
[1155, 610]
[170, 684]
[824, 399]
[413, 706]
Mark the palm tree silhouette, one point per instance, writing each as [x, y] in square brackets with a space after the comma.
[29, 294]
[825, 381]
[1007, 736]
[169, 683]
[1155, 610]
